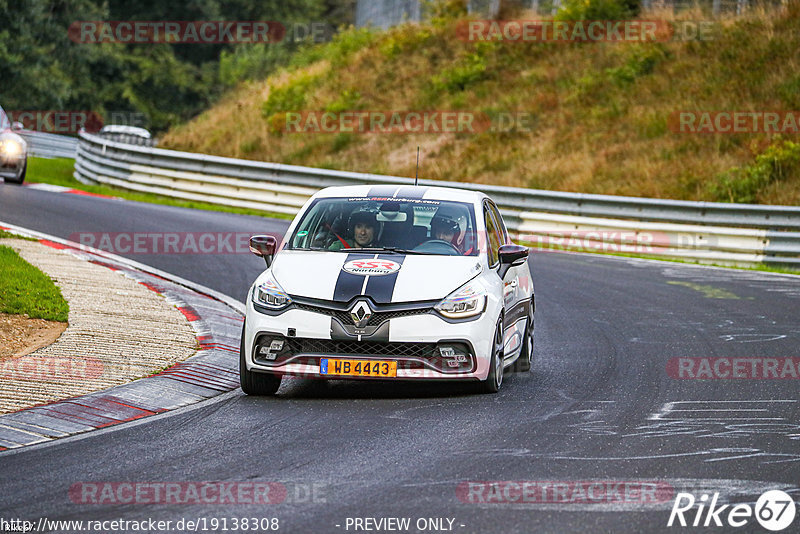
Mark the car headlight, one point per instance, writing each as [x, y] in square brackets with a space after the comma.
[11, 148]
[271, 295]
[467, 301]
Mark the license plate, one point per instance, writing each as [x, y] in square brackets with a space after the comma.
[374, 368]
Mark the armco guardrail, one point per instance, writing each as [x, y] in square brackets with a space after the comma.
[741, 234]
[47, 145]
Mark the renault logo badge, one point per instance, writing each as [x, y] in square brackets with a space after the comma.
[360, 313]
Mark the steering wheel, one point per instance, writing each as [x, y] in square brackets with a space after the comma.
[424, 246]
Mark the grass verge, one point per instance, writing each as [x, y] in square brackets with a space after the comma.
[58, 171]
[9, 235]
[24, 289]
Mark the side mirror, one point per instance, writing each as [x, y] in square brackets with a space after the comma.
[264, 246]
[511, 256]
[17, 126]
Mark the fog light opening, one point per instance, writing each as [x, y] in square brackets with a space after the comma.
[454, 357]
[269, 349]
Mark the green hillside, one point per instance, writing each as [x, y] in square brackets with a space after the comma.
[599, 117]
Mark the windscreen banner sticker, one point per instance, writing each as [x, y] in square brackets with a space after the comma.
[374, 267]
[395, 199]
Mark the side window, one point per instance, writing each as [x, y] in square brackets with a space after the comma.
[301, 235]
[492, 235]
[500, 224]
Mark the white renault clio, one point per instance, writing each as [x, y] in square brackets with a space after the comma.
[393, 283]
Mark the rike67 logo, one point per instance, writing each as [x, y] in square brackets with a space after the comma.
[774, 510]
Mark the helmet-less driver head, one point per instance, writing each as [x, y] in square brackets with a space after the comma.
[364, 227]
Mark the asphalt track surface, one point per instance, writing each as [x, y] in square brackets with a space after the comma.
[598, 405]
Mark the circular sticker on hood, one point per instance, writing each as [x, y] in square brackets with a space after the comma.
[371, 267]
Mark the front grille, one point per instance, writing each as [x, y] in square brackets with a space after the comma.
[366, 348]
[376, 319]
[426, 353]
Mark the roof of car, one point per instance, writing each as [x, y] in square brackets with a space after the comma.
[125, 129]
[402, 192]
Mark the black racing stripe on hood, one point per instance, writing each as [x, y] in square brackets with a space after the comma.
[382, 190]
[412, 192]
[381, 288]
[348, 285]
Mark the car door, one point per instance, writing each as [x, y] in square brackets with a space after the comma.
[514, 293]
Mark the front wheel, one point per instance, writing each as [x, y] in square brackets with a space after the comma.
[256, 383]
[20, 177]
[494, 381]
[523, 363]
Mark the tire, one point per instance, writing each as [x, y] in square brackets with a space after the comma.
[523, 363]
[19, 179]
[494, 381]
[256, 383]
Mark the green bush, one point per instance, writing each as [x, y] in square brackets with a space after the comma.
[338, 51]
[348, 100]
[442, 12]
[252, 62]
[291, 97]
[341, 141]
[471, 69]
[641, 62]
[405, 39]
[598, 9]
[778, 162]
[597, 86]
[250, 146]
[789, 91]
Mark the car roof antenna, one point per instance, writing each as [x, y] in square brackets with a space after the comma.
[416, 175]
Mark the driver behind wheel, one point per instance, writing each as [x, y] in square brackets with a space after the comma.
[444, 228]
[363, 228]
[449, 226]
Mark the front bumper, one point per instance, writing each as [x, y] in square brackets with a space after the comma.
[425, 346]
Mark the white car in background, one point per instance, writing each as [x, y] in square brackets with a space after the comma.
[389, 282]
[13, 151]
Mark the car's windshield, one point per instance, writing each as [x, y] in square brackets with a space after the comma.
[387, 224]
[4, 122]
